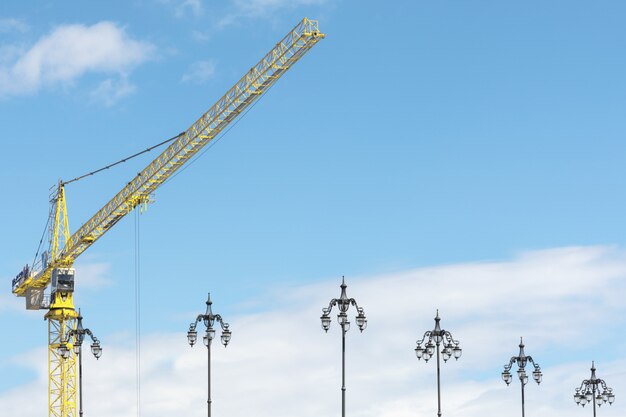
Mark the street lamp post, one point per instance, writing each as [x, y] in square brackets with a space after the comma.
[209, 320]
[450, 349]
[521, 361]
[78, 335]
[594, 390]
[343, 303]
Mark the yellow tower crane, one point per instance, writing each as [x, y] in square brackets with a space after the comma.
[54, 268]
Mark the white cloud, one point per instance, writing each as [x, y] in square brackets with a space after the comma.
[71, 51]
[567, 303]
[111, 90]
[262, 8]
[201, 36]
[184, 8]
[242, 8]
[199, 72]
[93, 275]
[192, 6]
[8, 54]
[9, 25]
[11, 304]
[19, 400]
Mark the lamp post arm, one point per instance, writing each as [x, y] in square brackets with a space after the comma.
[331, 304]
[194, 324]
[67, 336]
[221, 321]
[535, 364]
[79, 335]
[511, 362]
[583, 386]
[360, 310]
[94, 339]
[449, 337]
[352, 301]
[530, 359]
[428, 335]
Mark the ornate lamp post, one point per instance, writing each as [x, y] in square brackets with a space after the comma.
[78, 335]
[450, 349]
[209, 320]
[594, 390]
[521, 359]
[343, 303]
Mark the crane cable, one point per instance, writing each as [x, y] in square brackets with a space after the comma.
[137, 314]
[137, 260]
[210, 145]
[220, 136]
[124, 160]
[40, 242]
[137, 237]
[95, 172]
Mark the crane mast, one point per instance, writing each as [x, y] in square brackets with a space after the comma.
[55, 267]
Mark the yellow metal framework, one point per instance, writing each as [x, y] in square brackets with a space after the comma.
[64, 249]
[62, 390]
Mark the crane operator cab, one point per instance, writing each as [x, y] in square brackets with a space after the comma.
[62, 281]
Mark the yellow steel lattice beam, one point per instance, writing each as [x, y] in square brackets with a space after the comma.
[62, 391]
[257, 81]
[62, 377]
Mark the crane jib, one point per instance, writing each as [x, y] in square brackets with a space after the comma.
[236, 100]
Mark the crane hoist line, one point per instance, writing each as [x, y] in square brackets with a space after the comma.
[54, 268]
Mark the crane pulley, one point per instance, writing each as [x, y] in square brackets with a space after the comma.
[54, 268]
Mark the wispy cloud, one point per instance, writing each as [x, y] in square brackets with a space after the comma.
[11, 304]
[262, 8]
[71, 51]
[201, 36]
[199, 72]
[111, 90]
[281, 363]
[9, 25]
[184, 8]
[190, 6]
[255, 9]
[94, 275]
[234, 10]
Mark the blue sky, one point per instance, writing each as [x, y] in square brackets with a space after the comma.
[417, 140]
